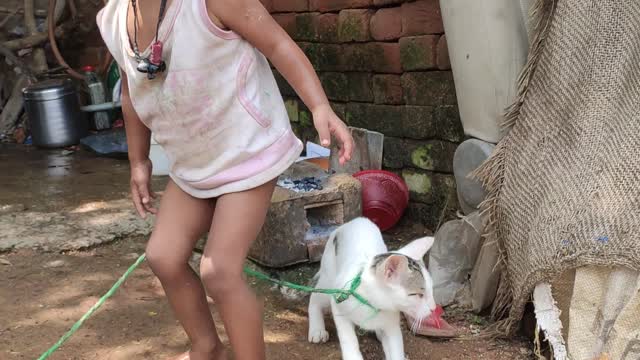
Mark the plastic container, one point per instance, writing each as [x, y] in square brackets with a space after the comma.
[97, 91]
[54, 112]
[385, 197]
[159, 159]
[488, 46]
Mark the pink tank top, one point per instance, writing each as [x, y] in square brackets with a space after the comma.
[216, 111]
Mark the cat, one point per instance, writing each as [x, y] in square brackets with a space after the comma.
[392, 282]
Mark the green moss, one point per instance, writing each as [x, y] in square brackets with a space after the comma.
[422, 157]
[417, 183]
[292, 110]
[305, 119]
[305, 29]
[412, 56]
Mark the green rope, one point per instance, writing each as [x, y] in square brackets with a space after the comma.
[339, 295]
[95, 307]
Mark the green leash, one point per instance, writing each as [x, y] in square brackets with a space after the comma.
[93, 309]
[340, 295]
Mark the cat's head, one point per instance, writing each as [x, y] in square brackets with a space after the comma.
[407, 284]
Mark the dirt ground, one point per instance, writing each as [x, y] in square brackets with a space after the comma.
[44, 292]
[42, 295]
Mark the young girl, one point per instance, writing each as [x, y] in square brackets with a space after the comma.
[195, 75]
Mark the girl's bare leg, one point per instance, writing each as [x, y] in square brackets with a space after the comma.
[237, 221]
[181, 221]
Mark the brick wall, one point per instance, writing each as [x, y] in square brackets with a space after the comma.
[385, 67]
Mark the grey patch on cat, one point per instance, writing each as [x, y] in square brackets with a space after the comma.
[335, 243]
[415, 278]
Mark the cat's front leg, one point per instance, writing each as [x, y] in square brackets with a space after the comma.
[392, 343]
[317, 331]
[349, 345]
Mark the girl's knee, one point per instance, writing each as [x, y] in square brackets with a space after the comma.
[219, 276]
[164, 264]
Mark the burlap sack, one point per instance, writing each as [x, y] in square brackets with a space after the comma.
[563, 185]
[604, 312]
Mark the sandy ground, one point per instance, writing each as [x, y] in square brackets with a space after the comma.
[45, 195]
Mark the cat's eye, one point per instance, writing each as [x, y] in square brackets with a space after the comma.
[418, 295]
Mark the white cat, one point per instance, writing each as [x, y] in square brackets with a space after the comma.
[392, 282]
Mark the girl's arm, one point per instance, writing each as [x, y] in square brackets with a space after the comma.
[251, 20]
[138, 142]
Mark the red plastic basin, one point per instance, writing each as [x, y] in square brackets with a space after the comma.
[385, 197]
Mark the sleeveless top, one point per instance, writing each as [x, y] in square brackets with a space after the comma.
[216, 110]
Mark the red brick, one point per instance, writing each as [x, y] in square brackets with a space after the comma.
[387, 89]
[419, 52]
[333, 5]
[360, 87]
[353, 25]
[386, 58]
[288, 22]
[387, 2]
[386, 24]
[432, 88]
[317, 27]
[443, 54]
[421, 17]
[268, 4]
[372, 57]
[290, 5]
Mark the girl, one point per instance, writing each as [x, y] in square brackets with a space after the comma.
[195, 75]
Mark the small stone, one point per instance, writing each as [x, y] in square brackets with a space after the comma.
[524, 351]
[4, 261]
[131, 256]
[55, 264]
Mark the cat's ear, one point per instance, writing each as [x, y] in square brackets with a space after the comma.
[417, 248]
[394, 267]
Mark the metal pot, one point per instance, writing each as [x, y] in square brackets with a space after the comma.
[54, 112]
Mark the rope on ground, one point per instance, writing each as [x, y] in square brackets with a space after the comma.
[93, 309]
[340, 295]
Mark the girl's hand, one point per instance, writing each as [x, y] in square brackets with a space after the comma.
[327, 123]
[141, 187]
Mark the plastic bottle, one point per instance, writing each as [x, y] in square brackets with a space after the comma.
[97, 92]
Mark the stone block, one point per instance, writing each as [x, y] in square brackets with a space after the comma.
[336, 85]
[433, 155]
[429, 88]
[421, 17]
[317, 27]
[381, 118]
[387, 89]
[289, 235]
[292, 110]
[289, 5]
[360, 87]
[333, 5]
[468, 157]
[444, 63]
[485, 276]
[386, 24]
[448, 122]
[429, 187]
[324, 57]
[388, 2]
[285, 89]
[372, 57]
[419, 52]
[453, 255]
[287, 21]
[353, 25]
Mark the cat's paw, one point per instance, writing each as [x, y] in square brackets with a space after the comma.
[318, 336]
